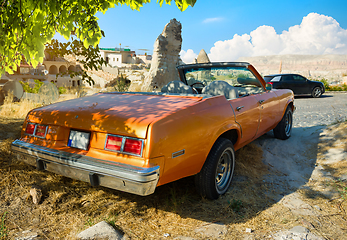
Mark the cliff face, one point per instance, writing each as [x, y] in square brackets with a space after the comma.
[331, 67]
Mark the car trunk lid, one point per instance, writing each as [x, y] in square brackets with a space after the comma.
[117, 113]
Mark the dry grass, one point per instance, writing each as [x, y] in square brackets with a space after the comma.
[69, 206]
[11, 109]
[332, 221]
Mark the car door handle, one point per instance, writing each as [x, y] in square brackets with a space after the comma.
[239, 108]
[261, 101]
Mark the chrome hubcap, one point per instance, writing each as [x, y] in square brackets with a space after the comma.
[317, 92]
[288, 123]
[223, 171]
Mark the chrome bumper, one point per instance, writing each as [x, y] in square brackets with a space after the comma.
[123, 177]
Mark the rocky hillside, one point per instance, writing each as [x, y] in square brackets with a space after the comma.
[331, 67]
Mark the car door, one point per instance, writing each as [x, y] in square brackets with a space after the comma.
[287, 82]
[247, 114]
[301, 85]
[269, 111]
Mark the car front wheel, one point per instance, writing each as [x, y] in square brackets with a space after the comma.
[316, 92]
[215, 176]
[283, 129]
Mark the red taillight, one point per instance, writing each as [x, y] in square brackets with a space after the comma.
[30, 129]
[40, 130]
[114, 143]
[36, 130]
[270, 83]
[126, 145]
[133, 146]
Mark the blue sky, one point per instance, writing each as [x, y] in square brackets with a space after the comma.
[230, 23]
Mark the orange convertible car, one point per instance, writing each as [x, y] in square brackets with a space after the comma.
[136, 141]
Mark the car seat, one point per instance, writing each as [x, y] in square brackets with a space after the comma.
[177, 87]
[216, 88]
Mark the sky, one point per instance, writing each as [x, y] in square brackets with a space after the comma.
[230, 29]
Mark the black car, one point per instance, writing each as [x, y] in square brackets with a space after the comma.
[297, 83]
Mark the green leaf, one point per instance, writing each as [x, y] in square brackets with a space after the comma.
[86, 43]
[10, 71]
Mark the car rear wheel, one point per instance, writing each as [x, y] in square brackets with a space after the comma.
[215, 176]
[316, 92]
[283, 129]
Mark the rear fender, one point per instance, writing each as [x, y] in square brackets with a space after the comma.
[230, 131]
[287, 101]
[186, 137]
[290, 103]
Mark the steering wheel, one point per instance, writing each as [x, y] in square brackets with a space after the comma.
[197, 83]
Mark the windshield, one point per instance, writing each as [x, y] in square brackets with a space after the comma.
[235, 76]
[239, 77]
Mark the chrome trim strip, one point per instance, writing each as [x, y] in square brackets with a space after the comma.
[178, 153]
[123, 143]
[72, 163]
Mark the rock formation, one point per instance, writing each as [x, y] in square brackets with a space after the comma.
[11, 87]
[36, 194]
[202, 57]
[331, 67]
[165, 57]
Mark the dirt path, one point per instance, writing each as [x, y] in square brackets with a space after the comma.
[307, 180]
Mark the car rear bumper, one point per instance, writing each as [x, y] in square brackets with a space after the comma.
[123, 177]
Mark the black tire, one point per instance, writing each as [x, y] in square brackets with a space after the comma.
[283, 130]
[316, 92]
[215, 176]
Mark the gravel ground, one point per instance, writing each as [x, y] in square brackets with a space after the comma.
[299, 166]
[329, 109]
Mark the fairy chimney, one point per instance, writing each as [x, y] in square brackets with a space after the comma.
[165, 57]
[202, 57]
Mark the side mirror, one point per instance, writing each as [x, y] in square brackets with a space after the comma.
[268, 86]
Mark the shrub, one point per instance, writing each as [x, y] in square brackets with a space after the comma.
[335, 88]
[326, 84]
[342, 87]
[62, 90]
[120, 84]
[35, 89]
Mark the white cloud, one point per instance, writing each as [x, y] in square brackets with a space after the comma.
[188, 56]
[229, 50]
[317, 34]
[210, 20]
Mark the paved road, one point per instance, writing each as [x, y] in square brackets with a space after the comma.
[328, 109]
